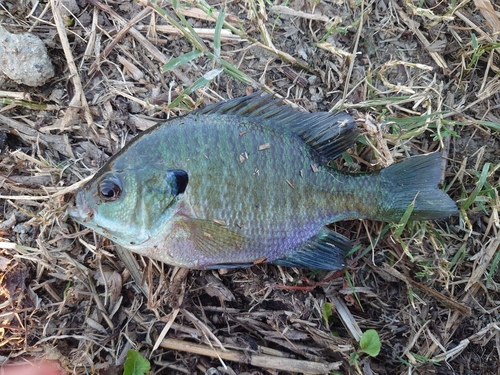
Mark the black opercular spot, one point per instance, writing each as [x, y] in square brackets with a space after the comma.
[110, 189]
[181, 180]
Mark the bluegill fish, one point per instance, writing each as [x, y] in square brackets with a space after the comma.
[247, 181]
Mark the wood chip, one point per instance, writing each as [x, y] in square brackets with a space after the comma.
[294, 76]
[204, 33]
[260, 260]
[265, 146]
[280, 9]
[215, 288]
[134, 71]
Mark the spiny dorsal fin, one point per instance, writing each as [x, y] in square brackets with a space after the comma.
[329, 134]
[325, 251]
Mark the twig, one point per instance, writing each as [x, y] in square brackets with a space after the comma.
[485, 260]
[57, 142]
[347, 318]
[255, 359]
[459, 307]
[78, 99]
[142, 40]
[226, 35]
[353, 56]
[126, 27]
[421, 37]
[280, 9]
[132, 266]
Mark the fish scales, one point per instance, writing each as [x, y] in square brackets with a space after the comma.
[248, 195]
[254, 195]
[177, 183]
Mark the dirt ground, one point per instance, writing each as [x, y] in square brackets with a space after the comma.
[423, 75]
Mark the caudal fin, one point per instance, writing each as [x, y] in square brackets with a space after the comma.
[415, 180]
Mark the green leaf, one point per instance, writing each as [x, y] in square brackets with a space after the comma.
[183, 59]
[474, 42]
[354, 359]
[136, 364]
[370, 343]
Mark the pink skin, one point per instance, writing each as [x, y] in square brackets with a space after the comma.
[32, 368]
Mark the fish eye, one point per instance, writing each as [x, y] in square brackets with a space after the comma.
[110, 189]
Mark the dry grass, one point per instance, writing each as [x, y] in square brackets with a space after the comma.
[425, 76]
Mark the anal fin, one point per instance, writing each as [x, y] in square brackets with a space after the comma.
[324, 251]
[227, 265]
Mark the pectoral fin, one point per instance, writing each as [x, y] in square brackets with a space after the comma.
[197, 244]
[325, 251]
[214, 240]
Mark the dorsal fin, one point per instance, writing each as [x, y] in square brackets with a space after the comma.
[329, 134]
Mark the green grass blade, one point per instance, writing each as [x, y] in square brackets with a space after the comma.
[193, 35]
[187, 31]
[372, 246]
[489, 124]
[234, 72]
[25, 103]
[474, 42]
[351, 285]
[204, 80]
[494, 267]
[198, 84]
[218, 29]
[479, 187]
[404, 220]
[181, 60]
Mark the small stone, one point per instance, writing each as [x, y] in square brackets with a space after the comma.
[24, 58]
[134, 107]
[57, 95]
[21, 228]
[316, 95]
[70, 6]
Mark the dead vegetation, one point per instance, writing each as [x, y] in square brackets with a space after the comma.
[424, 76]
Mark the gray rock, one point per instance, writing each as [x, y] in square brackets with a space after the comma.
[71, 6]
[24, 58]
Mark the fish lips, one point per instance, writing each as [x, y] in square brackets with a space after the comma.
[82, 212]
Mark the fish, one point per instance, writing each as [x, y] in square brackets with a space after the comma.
[247, 181]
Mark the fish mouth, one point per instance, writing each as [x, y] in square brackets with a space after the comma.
[82, 212]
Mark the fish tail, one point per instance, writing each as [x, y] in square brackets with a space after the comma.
[414, 181]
